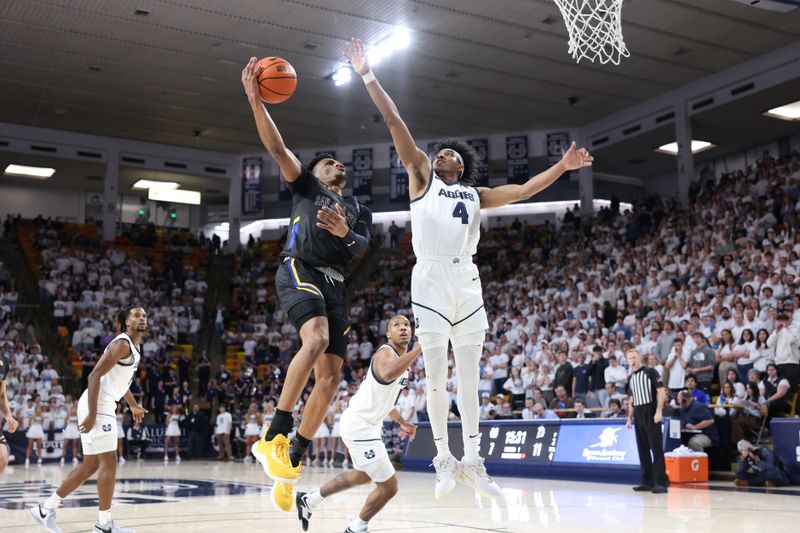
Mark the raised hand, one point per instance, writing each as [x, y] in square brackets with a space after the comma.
[357, 56]
[575, 158]
[250, 74]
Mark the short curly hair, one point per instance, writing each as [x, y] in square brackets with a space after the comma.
[467, 153]
[316, 159]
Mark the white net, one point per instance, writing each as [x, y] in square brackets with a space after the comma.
[595, 29]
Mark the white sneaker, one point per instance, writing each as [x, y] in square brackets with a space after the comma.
[345, 464]
[178, 459]
[315, 462]
[62, 461]
[122, 461]
[27, 463]
[74, 460]
[166, 459]
[447, 468]
[353, 529]
[39, 461]
[45, 517]
[111, 527]
[473, 474]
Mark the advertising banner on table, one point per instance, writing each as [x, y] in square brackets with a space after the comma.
[481, 146]
[362, 174]
[517, 157]
[251, 186]
[398, 189]
[597, 444]
[557, 144]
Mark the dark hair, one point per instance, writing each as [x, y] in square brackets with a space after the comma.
[316, 159]
[782, 316]
[121, 316]
[467, 153]
[753, 388]
[614, 401]
[687, 378]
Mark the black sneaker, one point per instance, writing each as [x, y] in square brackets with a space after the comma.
[642, 488]
[659, 490]
[303, 510]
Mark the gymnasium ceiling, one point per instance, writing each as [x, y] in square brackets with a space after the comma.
[171, 74]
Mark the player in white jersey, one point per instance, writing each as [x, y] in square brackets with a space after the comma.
[108, 383]
[361, 426]
[445, 284]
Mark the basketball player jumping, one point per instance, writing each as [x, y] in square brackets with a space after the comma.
[361, 426]
[108, 383]
[5, 412]
[446, 291]
[326, 234]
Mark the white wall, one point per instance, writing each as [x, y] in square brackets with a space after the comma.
[64, 204]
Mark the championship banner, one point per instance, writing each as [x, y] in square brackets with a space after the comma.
[517, 156]
[93, 210]
[251, 186]
[557, 144]
[398, 190]
[362, 174]
[481, 146]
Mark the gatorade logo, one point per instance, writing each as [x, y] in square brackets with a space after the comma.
[695, 465]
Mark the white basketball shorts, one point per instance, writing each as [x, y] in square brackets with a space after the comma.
[447, 298]
[103, 436]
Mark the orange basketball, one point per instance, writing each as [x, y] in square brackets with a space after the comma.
[277, 80]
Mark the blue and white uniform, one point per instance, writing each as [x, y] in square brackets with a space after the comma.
[446, 293]
[103, 436]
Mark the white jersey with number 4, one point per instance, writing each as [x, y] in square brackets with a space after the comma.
[363, 418]
[115, 383]
[446, 220]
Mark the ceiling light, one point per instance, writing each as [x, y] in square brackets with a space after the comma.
[342, 75]
[697, 147]
[177, 196]
[39, 173]
[374, 56]
[785, 112]
[151, 184]
[400, 38]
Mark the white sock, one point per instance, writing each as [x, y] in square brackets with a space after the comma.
[314, 498]
[53, 502]
[435, 358]
[104, 517]
[356, 524]
[468, 372]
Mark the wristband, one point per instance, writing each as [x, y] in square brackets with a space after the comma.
[368, 77]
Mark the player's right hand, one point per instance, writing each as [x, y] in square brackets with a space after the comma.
[250, 80]
[88, 423]
[357, 56]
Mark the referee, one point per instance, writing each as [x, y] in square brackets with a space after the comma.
[646, 395]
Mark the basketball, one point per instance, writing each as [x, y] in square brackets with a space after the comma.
[277, 80]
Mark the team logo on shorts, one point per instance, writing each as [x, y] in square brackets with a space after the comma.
[106, 427]
[369, 454]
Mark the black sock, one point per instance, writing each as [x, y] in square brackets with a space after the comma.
[299, 447]
[281, 424]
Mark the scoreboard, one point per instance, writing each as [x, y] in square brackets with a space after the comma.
[533, 443]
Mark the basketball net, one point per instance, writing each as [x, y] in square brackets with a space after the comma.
[595, 29]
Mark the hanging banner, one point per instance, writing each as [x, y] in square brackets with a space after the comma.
[93, 210]
[398, 190]
[362, 174]
[481, 147]
[557, 144]
[251, 186]
[517, 156]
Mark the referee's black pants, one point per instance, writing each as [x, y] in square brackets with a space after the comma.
[649, 438]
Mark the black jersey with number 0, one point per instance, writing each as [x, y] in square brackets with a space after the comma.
[316, 246]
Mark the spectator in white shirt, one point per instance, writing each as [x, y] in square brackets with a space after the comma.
[616, 374]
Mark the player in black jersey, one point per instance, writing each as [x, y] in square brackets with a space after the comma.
[5, 412]
[326, 232]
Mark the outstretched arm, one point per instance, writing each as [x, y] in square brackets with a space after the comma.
[270, 136]
[415, 160]
[573, 159]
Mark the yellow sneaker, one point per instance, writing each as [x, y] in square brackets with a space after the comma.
[282, 495]
[274, 458]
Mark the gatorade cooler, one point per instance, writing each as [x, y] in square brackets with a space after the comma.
[687, 468]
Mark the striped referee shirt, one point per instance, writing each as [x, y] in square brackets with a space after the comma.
[643, 385]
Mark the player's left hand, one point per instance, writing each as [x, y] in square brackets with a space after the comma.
[409, 428]
[138, 412]
[333, 221]
[12, 424]
[657, 417]
[575, 158]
